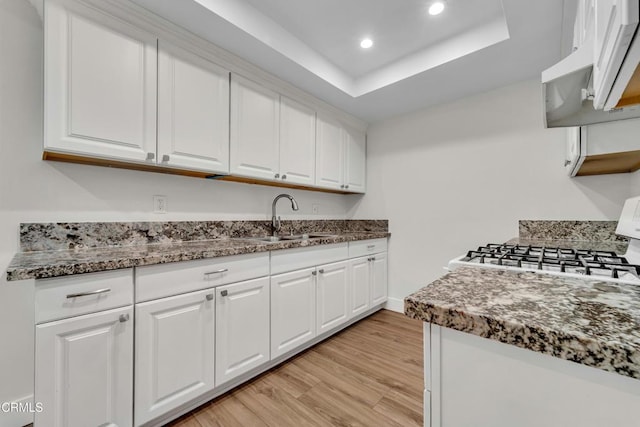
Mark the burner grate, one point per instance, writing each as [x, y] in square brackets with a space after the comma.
[588, 262]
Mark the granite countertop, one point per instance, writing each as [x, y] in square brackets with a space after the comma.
[53, 263]
[591, 322]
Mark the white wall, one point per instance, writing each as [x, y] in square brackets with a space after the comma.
[463, 174]
[35, 190]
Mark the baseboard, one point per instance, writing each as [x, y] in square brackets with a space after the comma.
[11, 418]
[395, 304]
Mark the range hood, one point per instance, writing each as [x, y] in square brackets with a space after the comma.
[570, 98]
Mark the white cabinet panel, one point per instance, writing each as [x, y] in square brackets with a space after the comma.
[242, 328]
[329, 153]
[355, 168]
[297, 142]
[615, 24]
[378, 279]
[332, 296]
[359, 278]
[193, 111]
[174, 352]
[255, 123]
[100, 85]
[84, 370]
[293, 310]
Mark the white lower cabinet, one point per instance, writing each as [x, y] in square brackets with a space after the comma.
[174, 352]
[379, 278]
[332, 296]
[293, 310]
[84, 370]
[360, 278]
[242, 328]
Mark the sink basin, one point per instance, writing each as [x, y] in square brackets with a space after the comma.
[275, 239]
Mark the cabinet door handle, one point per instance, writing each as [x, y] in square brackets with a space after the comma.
[321, 271]
[123, 318]
[346, 186]
[567, 162]
[151, 156]
[369, 259]
[165, 158]
[222, 270]
[277, 175]
[209, 297]
[314, 273]
[342, 186]
[224, 293]
[87, 294]
[284, 176]
[373, 258]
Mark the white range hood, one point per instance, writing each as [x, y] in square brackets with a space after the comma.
[599, 81]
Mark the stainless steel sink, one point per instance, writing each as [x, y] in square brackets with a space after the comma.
[289, 237]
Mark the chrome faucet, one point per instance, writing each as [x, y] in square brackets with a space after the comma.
[275, 220]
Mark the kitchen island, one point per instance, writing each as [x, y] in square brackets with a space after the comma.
[505, 348]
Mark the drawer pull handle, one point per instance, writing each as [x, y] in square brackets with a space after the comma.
[369, 259]
[222, 270]
[313, 273]
[224, 293]
[373, 258]
[371, 246]
[209, 297]
[87, 294]
[123, 318]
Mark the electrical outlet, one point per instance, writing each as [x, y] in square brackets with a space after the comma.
[315, 208]
[160, 204]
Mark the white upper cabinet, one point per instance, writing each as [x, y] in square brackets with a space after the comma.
[615, 24]
[255, 129]
[340, 156]
[297, 142]
[100, 85]
[193, 111]
[355, 166]
[329, 153]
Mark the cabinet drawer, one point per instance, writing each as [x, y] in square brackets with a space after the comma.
[158, 281]
[295, 259]
[365, 247]
[68, 296]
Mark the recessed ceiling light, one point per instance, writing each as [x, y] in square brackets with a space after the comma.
[436, 8]
[366, 43]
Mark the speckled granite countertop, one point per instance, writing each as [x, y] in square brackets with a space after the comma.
[65, 248]
[591, 322]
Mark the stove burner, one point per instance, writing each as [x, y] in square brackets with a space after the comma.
[587, 262]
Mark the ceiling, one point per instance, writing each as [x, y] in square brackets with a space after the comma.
[417, 60]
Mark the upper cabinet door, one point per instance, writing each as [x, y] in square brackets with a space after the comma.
[255, 123]
[616, 22]
[297, 142]
[355, 171]
[329, 153]
[100, 85]
[193, 111]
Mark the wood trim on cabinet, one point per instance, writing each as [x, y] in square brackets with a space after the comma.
[628, 161]
[73, 158]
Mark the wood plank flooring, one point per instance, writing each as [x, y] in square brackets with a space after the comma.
[367, 375]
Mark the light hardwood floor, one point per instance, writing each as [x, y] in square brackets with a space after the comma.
[367, 375]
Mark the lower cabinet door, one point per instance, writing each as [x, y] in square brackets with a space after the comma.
[332, 295]
[84, 370]
[379, 279]
[174, 352]
[293, 310]
[359, 278]
[242, 328]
